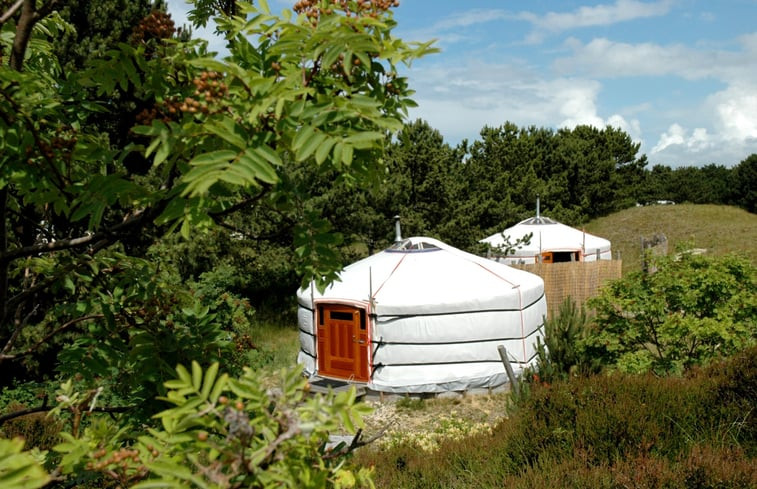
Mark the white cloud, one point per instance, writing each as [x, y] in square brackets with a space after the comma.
[632, 127]
[471, 17]
[736, 109]
[675, 135]
[721, 127]
[460, 99]
[576, 100]
[698, 141]
[602, 57]
[597, 15]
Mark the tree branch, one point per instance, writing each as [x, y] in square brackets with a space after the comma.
[100, 239]
[3, 249]
[240, 205]
[11, 11]
[44, 408]
[45, 9]
[19, 327]
[33, 348]
[23, 33]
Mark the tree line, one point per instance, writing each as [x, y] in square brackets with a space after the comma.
[462, 194]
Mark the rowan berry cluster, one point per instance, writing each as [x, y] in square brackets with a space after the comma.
[62, 143]
[313, 9]
[146, 116]
[244, 343]
[210, 89]
[157, 25]
[117, 465]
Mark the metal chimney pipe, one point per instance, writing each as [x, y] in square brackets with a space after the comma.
[397, 230]
[537, 208]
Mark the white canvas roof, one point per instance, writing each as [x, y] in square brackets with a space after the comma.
[550, 235]
[437, 316]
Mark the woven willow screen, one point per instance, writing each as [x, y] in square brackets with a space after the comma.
[580, 280]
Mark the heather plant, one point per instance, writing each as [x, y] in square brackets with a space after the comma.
[602, 431]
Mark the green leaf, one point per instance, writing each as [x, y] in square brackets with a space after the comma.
[346, 419]
[302, 136]
[213, 158]
[338, 150]
[364, 139]
[258, 167]
[196, 375]
[184, 375]
[19, 469]
[209, 381]
[218, 388]
[268, 154]
[228, 130]
[309, 146]
[347, 153]
[324, 149]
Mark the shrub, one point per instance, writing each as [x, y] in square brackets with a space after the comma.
[704, 467]
[36, 429]
[232, 313]
[603, 431]
[219, 432]
[561, 355]
[691, 310]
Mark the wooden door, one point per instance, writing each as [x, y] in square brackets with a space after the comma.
[343, 344]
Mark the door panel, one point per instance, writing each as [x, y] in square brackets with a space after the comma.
[342, 342]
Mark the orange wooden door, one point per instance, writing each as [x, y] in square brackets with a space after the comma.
[342, 342]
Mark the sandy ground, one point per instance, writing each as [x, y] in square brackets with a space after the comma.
[430, 419]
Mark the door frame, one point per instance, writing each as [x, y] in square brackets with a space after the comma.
[364, 359]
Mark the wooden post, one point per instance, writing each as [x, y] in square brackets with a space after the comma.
[508, 367]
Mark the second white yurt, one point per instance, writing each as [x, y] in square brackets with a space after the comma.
[421, 316]
[550, 242]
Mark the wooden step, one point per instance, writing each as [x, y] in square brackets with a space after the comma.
[322, 385]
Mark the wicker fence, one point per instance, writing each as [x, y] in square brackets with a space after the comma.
[580, 280]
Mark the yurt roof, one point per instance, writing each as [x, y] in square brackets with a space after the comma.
[548, 235]
[423, 275]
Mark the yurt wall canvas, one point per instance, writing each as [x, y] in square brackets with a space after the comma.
[421, 317]
[550, 242]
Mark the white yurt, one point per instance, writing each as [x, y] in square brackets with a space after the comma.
[551, 242]
[421, 317]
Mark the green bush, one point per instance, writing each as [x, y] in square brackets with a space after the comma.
[691, 310]
[218, 432]
[36, 429]
[232, 313]
[561, 355]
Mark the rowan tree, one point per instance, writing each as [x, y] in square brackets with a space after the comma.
[212, 136]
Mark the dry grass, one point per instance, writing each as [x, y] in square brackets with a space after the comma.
[717, 228]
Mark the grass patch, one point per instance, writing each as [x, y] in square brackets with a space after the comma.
[272, 348]
[718, 228]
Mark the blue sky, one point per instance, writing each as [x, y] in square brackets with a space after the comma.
[679, 76]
